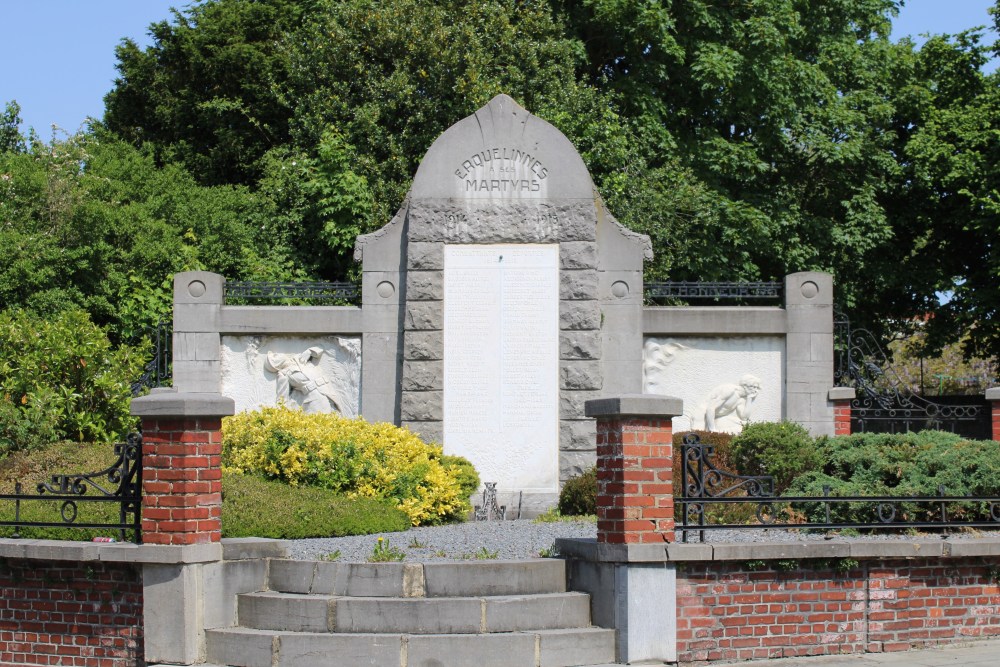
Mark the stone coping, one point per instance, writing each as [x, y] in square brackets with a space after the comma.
[925, 547]
[126, 552]
[634, 405]
[168, 402]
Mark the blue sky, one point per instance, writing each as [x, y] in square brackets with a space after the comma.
[58, 55]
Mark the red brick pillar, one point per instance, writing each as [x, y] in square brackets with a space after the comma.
[635, 499]
[993, 396]
[841, 398]
[182, 474]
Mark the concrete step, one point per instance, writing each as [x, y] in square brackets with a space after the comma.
[451, 615]
[243, 647]
[444, 579]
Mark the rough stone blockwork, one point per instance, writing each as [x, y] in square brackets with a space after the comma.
[635, 502]
[730, 612]
[182, 480]
[75, 615]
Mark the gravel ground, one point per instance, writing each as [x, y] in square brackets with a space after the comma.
[517, 539]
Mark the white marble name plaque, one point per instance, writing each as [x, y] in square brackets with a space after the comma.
[501, 362]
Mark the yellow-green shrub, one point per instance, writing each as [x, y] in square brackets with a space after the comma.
[347, 455]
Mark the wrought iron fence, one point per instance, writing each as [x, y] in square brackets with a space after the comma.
[708, 293]
[119, 486]
[713, 499]
[237, 291]
[158, 370]
[884, 403]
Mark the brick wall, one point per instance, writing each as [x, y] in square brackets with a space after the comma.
[70, 614]
[181, 480]
[728, 611]
[841, 417]
[635, 502]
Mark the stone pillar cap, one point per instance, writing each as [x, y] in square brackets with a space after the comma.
[842, 394]
[636, 405]
[172, 403]
[993, 394]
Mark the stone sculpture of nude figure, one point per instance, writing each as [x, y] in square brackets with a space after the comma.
[296, 372]
[729, 398]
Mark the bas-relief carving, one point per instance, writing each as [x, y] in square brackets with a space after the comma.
[318, 374]
[751, 370]
[728, 398]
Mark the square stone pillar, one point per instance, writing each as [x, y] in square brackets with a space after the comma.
[809, 351]
[841, 398]
[181, 466]
[635, 501]
[993, 396]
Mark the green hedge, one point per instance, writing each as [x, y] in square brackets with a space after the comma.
[61, 378]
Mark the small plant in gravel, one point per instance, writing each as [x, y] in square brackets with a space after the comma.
[332, 556]
[417, 544]
[486, 554]
[549, 552]
[385, 552]
[555, 516]
[440, 554]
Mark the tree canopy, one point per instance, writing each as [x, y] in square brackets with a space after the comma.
[749, 140]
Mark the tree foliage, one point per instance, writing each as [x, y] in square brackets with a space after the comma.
[748, 139]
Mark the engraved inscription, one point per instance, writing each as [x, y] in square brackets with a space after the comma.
[505, 170]
[538, 224]
[501, 397]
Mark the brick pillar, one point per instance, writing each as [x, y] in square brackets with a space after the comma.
[635, 500]
[993, 396]
[182, 475]
[841, 398]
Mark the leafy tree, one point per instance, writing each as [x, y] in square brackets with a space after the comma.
[748, 139]
[92, 222]
[10, 137]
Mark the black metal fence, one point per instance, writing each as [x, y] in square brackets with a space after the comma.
[712, 499]
[158, 371]
[57, 503]
[713, 293]
[290, 293]
[885, 404]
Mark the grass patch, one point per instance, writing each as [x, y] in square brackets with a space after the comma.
[555, 516]
[255, 507]
[251, 507]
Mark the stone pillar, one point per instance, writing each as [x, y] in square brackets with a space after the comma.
[809, 351]
[993, 396]
[182, 475]
[841, 398]
[635, 501]
[197, 355]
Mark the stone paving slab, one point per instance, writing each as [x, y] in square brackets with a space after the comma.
[976, 654]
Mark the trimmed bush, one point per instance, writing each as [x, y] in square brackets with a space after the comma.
[60, 378]
[300, 512]
[904, 464]
[291, 512]
[348, 456]
[579, 494]
[783, 450]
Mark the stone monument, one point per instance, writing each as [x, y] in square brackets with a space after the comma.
[506, 295]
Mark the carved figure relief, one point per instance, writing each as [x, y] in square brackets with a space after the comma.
[300, 373]
[318, 373]
[656, 356]
[727, 399]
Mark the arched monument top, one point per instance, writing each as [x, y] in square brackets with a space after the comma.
[502, 152]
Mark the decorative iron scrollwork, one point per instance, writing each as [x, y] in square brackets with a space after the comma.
[276, 291]
[883, 402]
[120, 483]
[714, 291]
[489, 510]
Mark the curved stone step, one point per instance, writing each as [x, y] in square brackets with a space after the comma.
[443, 579]
[242, 647]
[452, 615]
